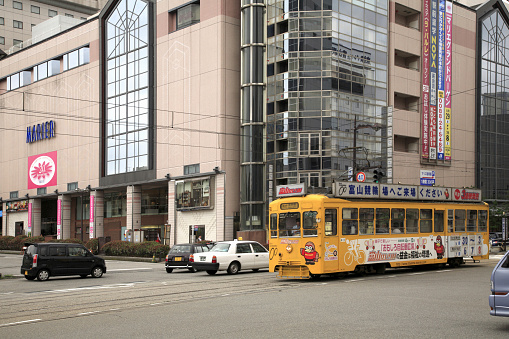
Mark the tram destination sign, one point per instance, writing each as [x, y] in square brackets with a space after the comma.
[348, 189]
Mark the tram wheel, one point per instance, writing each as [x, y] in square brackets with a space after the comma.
[380, 268]
[315, 276]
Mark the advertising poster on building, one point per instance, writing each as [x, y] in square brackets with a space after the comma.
[433, 80]
[92, 216]
[425, 78]
[448, 80]
[59, 219]
[29, 219]
[42, 170]
[441, 74]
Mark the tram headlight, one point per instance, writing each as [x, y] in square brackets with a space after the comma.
[289, 248]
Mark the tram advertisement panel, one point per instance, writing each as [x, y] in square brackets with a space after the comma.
[409, 249]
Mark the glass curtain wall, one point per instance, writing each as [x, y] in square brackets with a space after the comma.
[326, 69]
[493, 172]
[127, 89]
[252, 115]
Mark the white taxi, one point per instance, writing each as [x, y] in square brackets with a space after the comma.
[231, 256]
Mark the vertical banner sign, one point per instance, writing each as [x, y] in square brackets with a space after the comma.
[448, 79]
[425, 79]
[433, 81]
[59, 219]
[92, 216]
[29, 219]
[441, 74]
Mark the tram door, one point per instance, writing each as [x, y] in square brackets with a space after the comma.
[331, 239]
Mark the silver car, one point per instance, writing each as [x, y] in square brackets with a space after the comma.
[499, 298]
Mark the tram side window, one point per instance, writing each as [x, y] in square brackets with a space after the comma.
[483, 221]
[289, 224]
[331, 222]
[273, 225]
[382, 220]
[439, 221]
[350, 216]
[426, 221]
[459, 220]
[412, 219]
[366, 220]
[397, 220]
[450, 221]
[310, 225]
[471, 221]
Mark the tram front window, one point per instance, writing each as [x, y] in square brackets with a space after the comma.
[289, 224]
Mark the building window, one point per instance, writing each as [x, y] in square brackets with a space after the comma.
[17, 24]
[72, 186]
[17, 5]
[17, 42]
[13, 195]
[76, 58]
[35, 9]
[69, 15]
[127, 87]
[115, 204]
[154, 201]
[1, 2]
[193, 194]
[2, 40]
[2, 21]
[184, 17]
[41, 191]
[192, 169]
[52, 13]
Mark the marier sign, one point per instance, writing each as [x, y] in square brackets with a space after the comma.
[38, 132]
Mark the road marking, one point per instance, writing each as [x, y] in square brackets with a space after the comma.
[20, 322]
[129, 269]
[89, 288]
[85, 313]
[155, 304]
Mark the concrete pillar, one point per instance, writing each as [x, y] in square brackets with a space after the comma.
[66, 216]
[171, 214]
[36, 216]
[97, 222]
[220, 206]
[133, 208]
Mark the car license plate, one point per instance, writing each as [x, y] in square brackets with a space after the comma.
[202, 258]
[177, 258]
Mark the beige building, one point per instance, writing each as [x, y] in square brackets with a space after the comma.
[134, 153]
[18, 17]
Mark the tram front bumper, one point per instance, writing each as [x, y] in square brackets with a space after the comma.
[294, 272]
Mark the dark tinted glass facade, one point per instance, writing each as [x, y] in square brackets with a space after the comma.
[326, 78]
[493, 131]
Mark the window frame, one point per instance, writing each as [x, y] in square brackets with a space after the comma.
[32, 8]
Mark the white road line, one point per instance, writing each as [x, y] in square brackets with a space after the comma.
[20, 322]
[129, 269]
[85, 313]
[89, 288]
[155, 304]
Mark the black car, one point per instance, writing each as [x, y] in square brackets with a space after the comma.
[178, 257]
[58, 259]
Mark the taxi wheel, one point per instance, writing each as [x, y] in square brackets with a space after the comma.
[169, 270]
[233, 268]
[43, 275]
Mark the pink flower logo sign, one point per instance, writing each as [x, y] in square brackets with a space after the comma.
[42, 170]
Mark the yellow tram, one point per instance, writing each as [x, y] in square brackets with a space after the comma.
[311, 235]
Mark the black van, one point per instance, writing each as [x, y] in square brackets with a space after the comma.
[56, 259]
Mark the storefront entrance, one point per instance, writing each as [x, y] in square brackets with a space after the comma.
[49, 218]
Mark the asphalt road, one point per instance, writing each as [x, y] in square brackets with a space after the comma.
[141, 300]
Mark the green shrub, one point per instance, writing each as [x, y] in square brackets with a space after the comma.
[71, 240]
[4, 241]
[16, 244]
[145, 249]
[93, 245]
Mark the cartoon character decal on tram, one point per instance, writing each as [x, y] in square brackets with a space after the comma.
[439, 247]
[309, 253]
